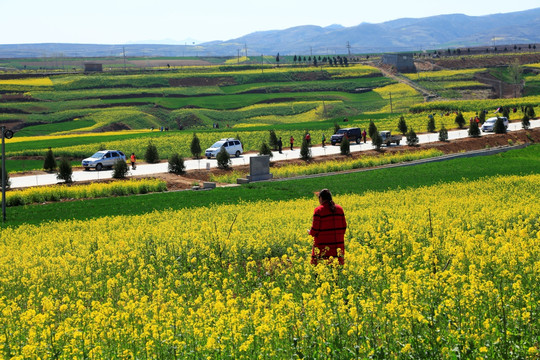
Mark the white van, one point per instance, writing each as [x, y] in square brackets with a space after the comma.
[232, 146]
[489, 124]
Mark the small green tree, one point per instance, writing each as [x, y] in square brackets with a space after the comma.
[460, 120]
[474, 131]
[305, 151]
[499, 127]
[176, 164]
[402, 125]
[65, 171]
[371, 129]
[49, 164]
[443, 134]
[506, 112]
[345, 146]
[195, 147]
[431, 124]
[265, 150]
[525, 122]
[120, 169]
[482, 117]
[273, 140]
[151, 155]
[412, 138]
[223, 159]
[336, 128]
[376, 140]
[530, 112]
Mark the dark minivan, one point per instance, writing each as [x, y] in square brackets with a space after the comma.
[353, 134]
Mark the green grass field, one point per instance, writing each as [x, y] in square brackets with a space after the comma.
[525, 161]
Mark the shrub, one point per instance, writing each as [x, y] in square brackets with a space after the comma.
[195, 147]
[372, 129]
[120, 169]
[460, 120]
[151, 156]
[499, 127]
[482, 116]
[273, 140]
[525, 122]
[50, 162]
[530, 112]
[377, 140]
[474, 130]
[412, 138]
[336, 128]
[176, 164]
[443, 134]
[506, 112]
[65, 172]
[402, 125]
[345, 147]
[223, 159]
[431, 124]
[305, 151]
[265, 150]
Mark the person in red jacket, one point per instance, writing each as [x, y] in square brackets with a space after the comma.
[328, 230]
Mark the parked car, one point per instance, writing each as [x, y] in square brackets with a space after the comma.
[388, 138]
[103, 158]
[489, 124]
[353, 134]
[233, 147]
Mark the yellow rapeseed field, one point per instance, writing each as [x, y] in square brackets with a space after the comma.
[441, 272]
[44, 81]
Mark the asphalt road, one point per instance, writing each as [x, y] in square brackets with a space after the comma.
[149, 169]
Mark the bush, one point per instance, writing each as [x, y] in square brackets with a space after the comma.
[431, 125]
[499, 127]
[195, 147]
[176, 164]
[525, 122]
[376, 140]
[151, 156]
[345, 147]
[336, 128]
[402, 125]
[530, 112]
[120, 169]
[412, 138]
[223, 159]
[50, 162]
[474, 130]
[482, 117]
[305, 151]
[460, 120]
[273, 140]
[265, 150]
[372, 128]
[443, 134]
[65, 172]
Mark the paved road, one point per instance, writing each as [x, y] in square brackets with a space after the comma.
[148, 169]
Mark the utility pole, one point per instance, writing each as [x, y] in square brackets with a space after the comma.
[124, 51]
[245, 47]
[391, 109]
[238, 57]
[262, 64]
[349, 48]
[6, 134]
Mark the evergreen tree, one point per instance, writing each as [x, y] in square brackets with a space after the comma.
[474, 131]
[371, 129]
[151, 155]
[431, 124]
[273, 140]
[345, 146]
[412, 138]
[499, 127]
[50, 162]
[525, 122]
[176, 164]
[376, 140]
[265, 150]
[65, 171]
[460, 120]
[305, 150]
[482, 117]
[530, 112]
[506, 112]
[402, 125]
[443, 134]
[277, 59]
[223, 159]
[336, 128]
[195, 147]
[120, 169]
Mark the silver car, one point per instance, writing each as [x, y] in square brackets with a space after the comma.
[489, 124]
[232, 146]
[103, 158]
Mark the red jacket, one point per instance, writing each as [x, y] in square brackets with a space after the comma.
[328, 231]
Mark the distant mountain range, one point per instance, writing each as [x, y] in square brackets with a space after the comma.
[435, 32]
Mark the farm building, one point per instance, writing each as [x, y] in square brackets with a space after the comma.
[89, 67]
[402, 62]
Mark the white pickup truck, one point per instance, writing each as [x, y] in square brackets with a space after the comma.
[388, 138]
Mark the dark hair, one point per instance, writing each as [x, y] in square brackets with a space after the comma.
[326, 196]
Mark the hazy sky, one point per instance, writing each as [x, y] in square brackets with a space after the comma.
[122, 21]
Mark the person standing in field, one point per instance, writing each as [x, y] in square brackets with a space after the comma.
[328, 230]
[133, 160]
[308, 139]
[323, 139]
[292, 141]
[280, 145]
[364, 135]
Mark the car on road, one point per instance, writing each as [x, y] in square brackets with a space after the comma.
[232, 146]
[489, 124]
[388, 138]
[353, 134]
[103, 159]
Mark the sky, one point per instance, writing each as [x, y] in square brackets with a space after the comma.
[183, 21]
